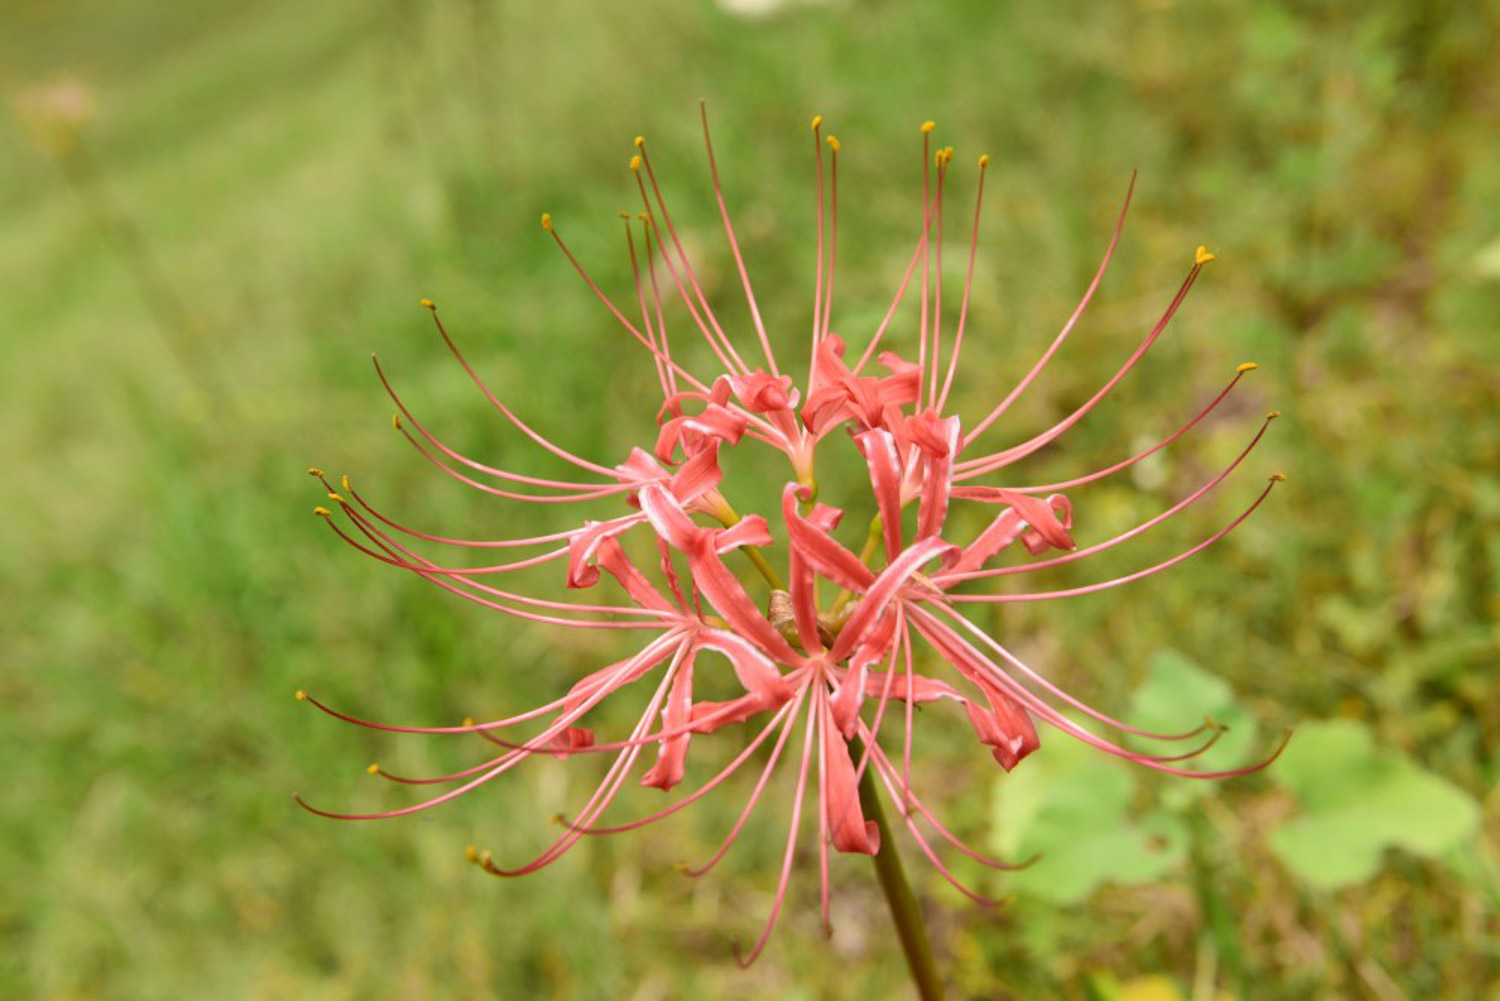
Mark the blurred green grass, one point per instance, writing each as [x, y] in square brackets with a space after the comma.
[302, 174]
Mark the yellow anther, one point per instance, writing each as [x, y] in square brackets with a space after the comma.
[640, 141]
[833, 143]
[1244, 367]
[547, 221]
[314, 471]
[1271, 415]
[645, 217]
[396, 421]
[984, 161]
[928, 127]
[635, 162]
[1278, 477]
[373, 769]
[1202, 256]
[335, 497]
[346, 482]
[817, 122]
[625, 215]
[468, 721]
[472, 854]
[426, 304]
[322, 512]
[301, 695]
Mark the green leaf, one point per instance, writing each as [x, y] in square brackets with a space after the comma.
[1176, 696]
[1070, 803]
[1357, 801]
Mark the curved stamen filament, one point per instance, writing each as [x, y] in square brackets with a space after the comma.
[1239, 373]
[946, 580]
[1088, 295]
[734, 245]
[963, 308]
[707, 321]
[1103, 585]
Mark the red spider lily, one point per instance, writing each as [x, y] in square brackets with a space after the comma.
[833, 669]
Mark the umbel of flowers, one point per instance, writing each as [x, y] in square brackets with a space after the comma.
[817, 679]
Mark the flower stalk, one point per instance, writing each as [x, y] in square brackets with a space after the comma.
[905, 912]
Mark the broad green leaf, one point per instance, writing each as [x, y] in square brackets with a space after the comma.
[1176, 696]
[1357, 801]
[1070, 803]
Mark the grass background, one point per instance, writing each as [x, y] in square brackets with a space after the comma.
[269, 188]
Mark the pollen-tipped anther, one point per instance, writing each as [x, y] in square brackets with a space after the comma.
[396, 421]
[984, 160]
[321, 511]
[833, 143]
[1271, 415]
[1248, 366]
[928, 126]
[817, 122]
[345, 480]
[1278, 477]
[373, 768]
[635, 163]
[472, 854]
[315, 471]
[335, 497]
[427, 304]
[300, 695]
[1202, 256]
[547, 221]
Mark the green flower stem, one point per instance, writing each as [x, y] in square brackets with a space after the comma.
[904, 910]
[876, 533]
[729, 517]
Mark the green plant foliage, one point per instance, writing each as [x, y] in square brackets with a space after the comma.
[1072, 807]
[1175, 696]
[1357, 801]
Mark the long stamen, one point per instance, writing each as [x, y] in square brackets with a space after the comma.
[820, 714]
[944, 158]
[661, 320]
[952, 646]
[927, 128]
[465, 460]
[503, 764]
[524, 428]
[391, 547]
[656, 647]
[1010, 684]
[604, 793]
[734, 245]
[755, 793]
[1067, 329]
[817, 312]
[592, 493]
[348, 490]
[1103, 585]
[1239, 373]
[640, 298]
[833, 231]
[1003, 458]
[686, 262]
[963, 308]
[551, 229]
[791, 848]
[944, 580]
[901, 287]
[711, 784]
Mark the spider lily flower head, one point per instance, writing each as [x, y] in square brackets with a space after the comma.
[832, 686]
